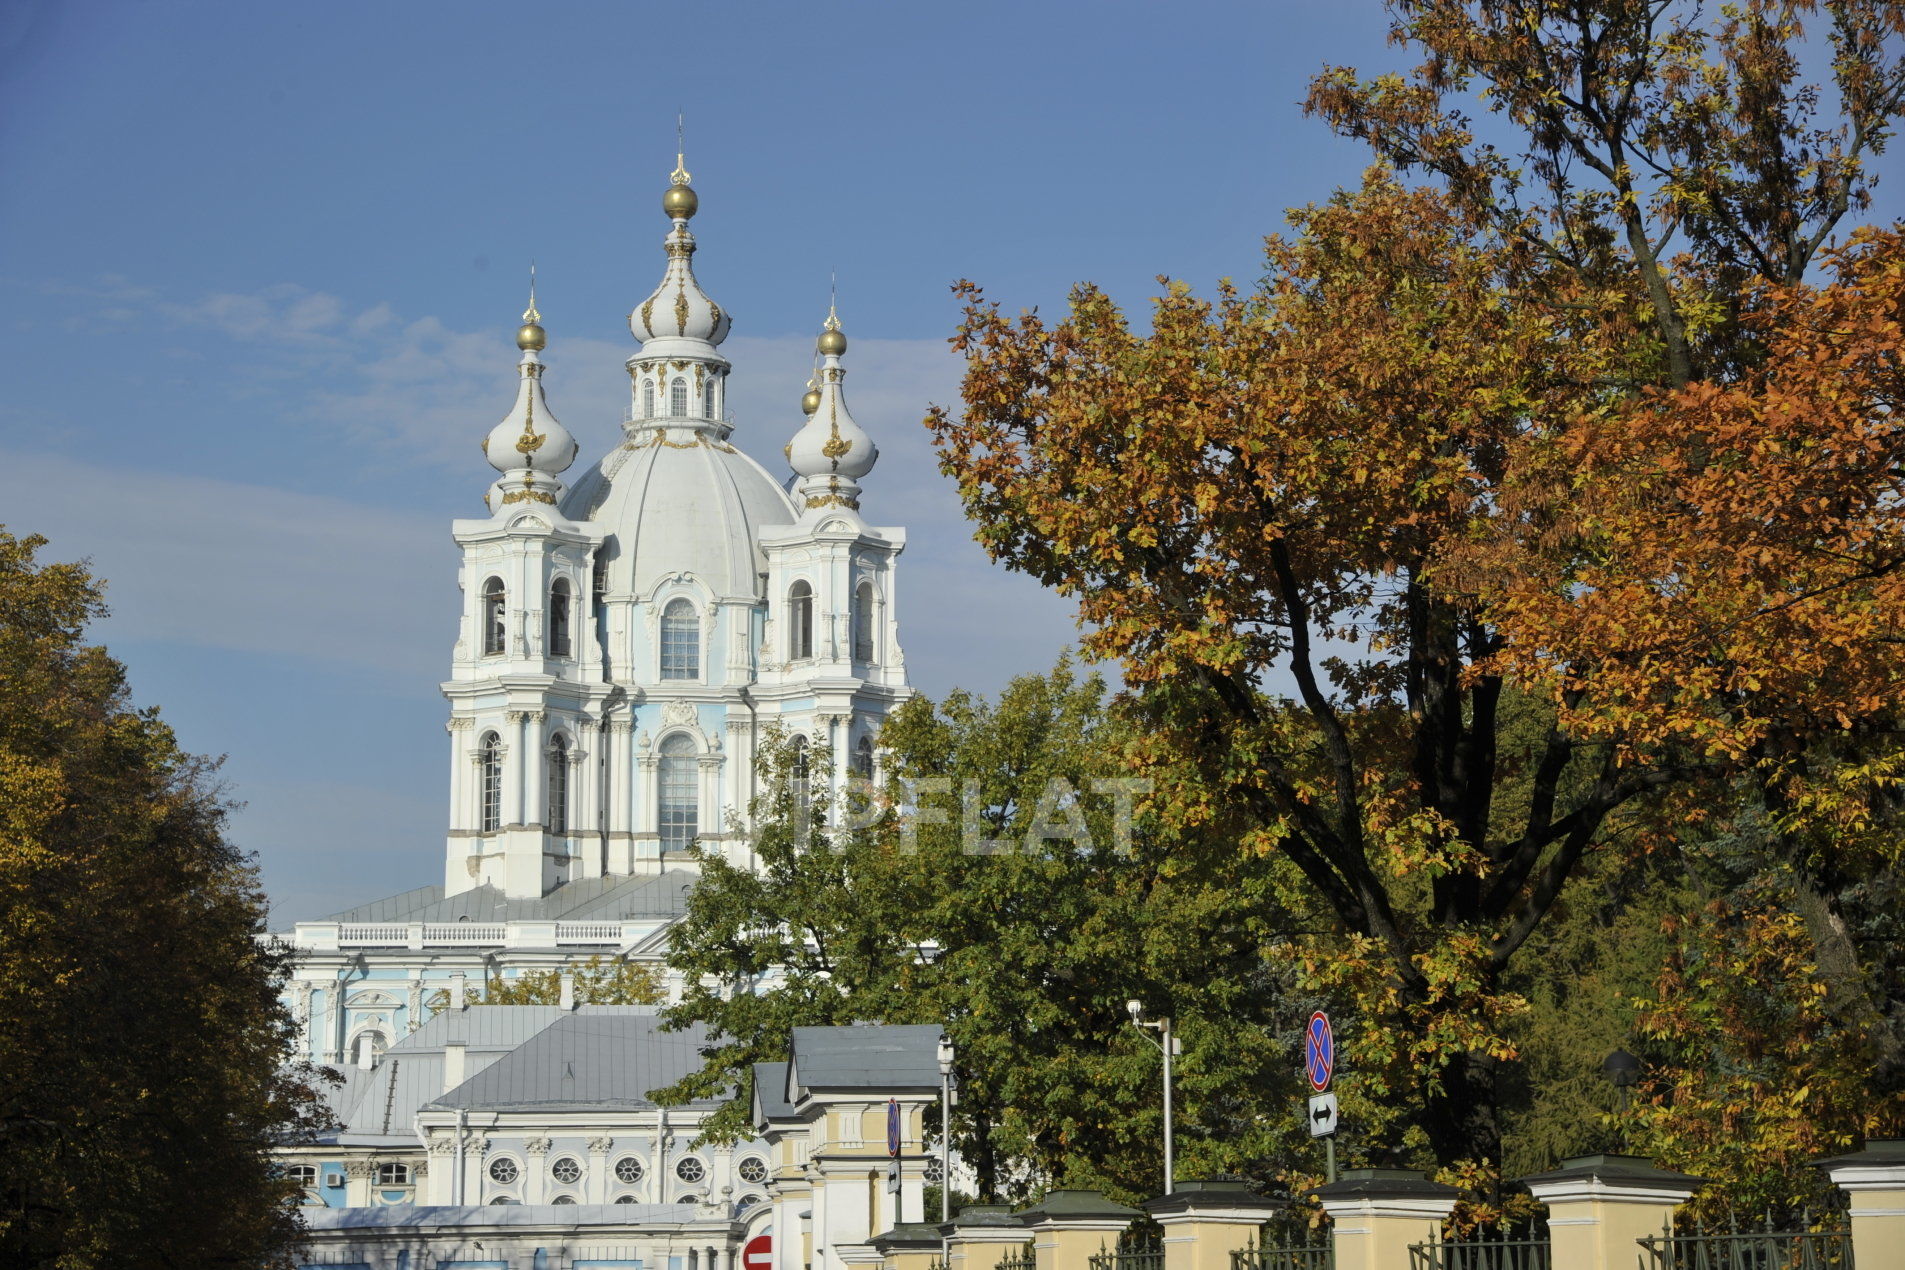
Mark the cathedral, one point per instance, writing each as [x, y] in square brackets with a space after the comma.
[630, 638]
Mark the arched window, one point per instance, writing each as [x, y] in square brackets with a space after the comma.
[678, 398]
[800, 618]
[494, 632]
[678, 804]
[680, 641]
[863, 758]
[648, 399]
[707, 402]
[863, 622]
[559, 784]
[369, 1047]
[489, 809]
[559, 642]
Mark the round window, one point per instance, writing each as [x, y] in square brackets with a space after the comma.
[753, 1170]
[746, 1202]
[934, 1173]
[625, 1199]
[502, 1199]
[503, 1170]
[563, 1199]
[689, 1199]
[628, 1169]
[566, 1171]
[689, 1169]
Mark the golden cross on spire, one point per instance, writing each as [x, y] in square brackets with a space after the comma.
[530, 314]
[680, 175]
[833, 296]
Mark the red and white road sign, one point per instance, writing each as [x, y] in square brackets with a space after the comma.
[758, 1253]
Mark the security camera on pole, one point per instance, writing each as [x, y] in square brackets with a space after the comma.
[1319, 1061]
[1168, 1043]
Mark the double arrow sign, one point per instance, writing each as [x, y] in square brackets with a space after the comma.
[1319, 1058]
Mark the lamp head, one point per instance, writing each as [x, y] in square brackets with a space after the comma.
[1621, 1069]
[1135, 1008]
[945, 1055]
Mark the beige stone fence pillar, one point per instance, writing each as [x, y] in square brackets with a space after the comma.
[1874, 1182]
[1207, 1219]
[1068, 1227]
[1378, 1213]
[914, 1246]
[979, 1235]
[1601, 1206]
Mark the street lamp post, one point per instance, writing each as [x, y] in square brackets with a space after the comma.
[1167, 1044]
[1623, 1072]
[945, 1127]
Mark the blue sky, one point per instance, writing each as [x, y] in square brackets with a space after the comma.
[262, 264]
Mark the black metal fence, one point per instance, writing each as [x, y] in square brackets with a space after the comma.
[1141, 1253]
[1018, 1260]
[1486, 1249]
[1307, 1250]
[1822, 1244]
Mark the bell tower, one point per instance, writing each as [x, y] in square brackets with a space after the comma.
[526, 675]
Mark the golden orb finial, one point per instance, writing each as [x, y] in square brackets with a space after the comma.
[679, 202]
[530, 337]
[811, 401]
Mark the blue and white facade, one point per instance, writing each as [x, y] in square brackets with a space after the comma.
[631, 636]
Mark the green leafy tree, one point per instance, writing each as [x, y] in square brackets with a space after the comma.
[140, 1016]
[598, 981]
[1025, 948]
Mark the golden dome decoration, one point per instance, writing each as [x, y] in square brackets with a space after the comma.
[811, 401]
[530, 337]
[679, 202]
[832, 341]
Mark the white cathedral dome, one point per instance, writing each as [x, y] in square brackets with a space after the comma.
[680, 507]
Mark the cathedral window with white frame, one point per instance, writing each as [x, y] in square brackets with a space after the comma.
[559, 784]
[707, 400]
[802, 770]
[489, 784]
[648, 399]
[863, 758]
[561, 644]
[494, 617]
[678, 796]
[678, 398]
[800, 621]
[680, 641]
[863, 622]
[393, 1175]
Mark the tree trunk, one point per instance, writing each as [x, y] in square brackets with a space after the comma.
[1460, 1114]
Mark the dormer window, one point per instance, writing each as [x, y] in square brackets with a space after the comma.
[559, 785]
[559, 641]
[800, 620]
[863, 622]
[489, 809]
[680, 641]
[495, 632]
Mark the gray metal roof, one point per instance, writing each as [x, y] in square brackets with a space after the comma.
[602, 1058]
[579, 1217]
[881, 1056]
[604, 899]
[770, 1092]
[410, 1074]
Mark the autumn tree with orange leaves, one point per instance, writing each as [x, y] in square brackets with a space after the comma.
[1484, 524]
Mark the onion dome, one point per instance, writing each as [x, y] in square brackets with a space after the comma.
[831, 452]
[530, 445]
[679, 311]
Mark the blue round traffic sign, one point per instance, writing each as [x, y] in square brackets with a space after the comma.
[1319, 1052]
[893, 1135]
